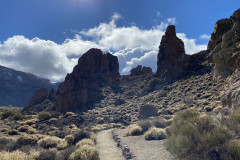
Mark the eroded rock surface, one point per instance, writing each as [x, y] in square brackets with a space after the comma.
[81, 87]
[140, 70]
[172, 60]
[224, 46]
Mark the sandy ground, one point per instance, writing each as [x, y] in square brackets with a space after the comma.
[142, 149]
[108, 147]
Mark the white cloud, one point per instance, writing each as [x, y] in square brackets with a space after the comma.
[205, 37]
[132, 45]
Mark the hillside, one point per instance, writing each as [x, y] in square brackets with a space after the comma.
[17, 88]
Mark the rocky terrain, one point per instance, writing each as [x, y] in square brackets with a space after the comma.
[192, 102]
[17, 88]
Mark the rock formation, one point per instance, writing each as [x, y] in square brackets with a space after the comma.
[39, 96]
[139, 70]
[172, 60]
[81, 87]
[224, 46]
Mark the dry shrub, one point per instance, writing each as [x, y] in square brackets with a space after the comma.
[81, 134]
[16, 155]
[47, 155]
[147, 111]
[64, 154]
[51, 141]
[27, 140]
[85, 141]
[155, 134]
[69, 138]
[85, 153]
[133, 130]
[44, 116]
[198, 136]
[7, 114]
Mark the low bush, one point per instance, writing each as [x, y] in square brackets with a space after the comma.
[133, 130]
[147, 110]
[44, 116]
[69, 138]
[81, 134]
[3, 142]
[233, 150]
[85, 153]
[153, 83]
[51, 141]
[27, 140]
[7, 114]
[47, 155]
[18, 116]
[16, 155]
[155, 134]
[13, 132]
[64, 154]
[192, 135]
[85, 141]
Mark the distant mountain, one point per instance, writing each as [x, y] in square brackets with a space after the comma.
[17, 88]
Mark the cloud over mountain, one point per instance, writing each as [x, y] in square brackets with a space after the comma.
[132, 45]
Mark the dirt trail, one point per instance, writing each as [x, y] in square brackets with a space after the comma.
[108, 147]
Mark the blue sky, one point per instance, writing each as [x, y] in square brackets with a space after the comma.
[62, 30]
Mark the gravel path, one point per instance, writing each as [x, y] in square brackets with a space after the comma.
[142, 149]
[107, 147]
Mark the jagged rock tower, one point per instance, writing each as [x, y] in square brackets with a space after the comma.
[81, 87]
[172, 60]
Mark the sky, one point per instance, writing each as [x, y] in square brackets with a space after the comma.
[46, 37]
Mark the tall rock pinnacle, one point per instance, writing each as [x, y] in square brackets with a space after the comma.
[172, 59]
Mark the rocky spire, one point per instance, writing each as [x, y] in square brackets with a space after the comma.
[172, 59]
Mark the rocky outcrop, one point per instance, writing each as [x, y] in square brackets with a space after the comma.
[172, 60]
[81, 87]
[17, 88]
[224, 46]
[39, 96]
[139, 70]
[231, 94]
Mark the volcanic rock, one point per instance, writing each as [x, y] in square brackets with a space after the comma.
[139, 70]
[172, 60]
[39, 96]
[81, 87]
[224, 48]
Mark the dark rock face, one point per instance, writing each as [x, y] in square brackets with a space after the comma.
[172, 60]
[39, 96]
[17, 88]
[224, 46]
[139, 70]
[81, 87]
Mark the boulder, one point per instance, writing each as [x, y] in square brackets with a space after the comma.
[172, 60]
[139, 70]
[81, 87]
[39, 96]
[223, 47]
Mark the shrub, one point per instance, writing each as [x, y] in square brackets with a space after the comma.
[145, 124]
[81, 134]
[69, 138]
[64, 154]
[44, 116]
[49, 142]
[153, 83]
[197, 136]
[146, 111]
[7, 114]
[18, 116]
[163, 93]
[3, 142]
[16, 155]
[133, 130]
[155, 134]
[85, 141]
[85, 153]
[27, 140]
[47, 155]
[13, 132]
[236, 116]
[233, 150]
